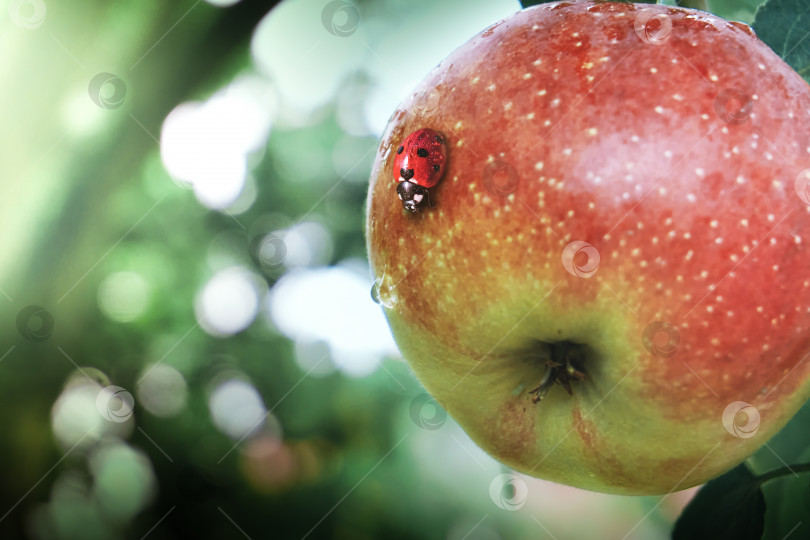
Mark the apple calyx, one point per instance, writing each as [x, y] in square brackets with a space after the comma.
[564, 366]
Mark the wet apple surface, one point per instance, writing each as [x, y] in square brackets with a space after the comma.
[625, 182]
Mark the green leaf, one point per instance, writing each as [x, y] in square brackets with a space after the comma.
[788, 500]
[784, 25]
[728, 507]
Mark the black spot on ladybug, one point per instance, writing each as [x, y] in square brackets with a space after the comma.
[400, 149]
[422, 152]
[435, 167]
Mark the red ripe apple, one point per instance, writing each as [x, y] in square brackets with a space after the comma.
[623, 218]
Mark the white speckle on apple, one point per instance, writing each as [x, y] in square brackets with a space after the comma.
[543, 93]
[475, 80]
[740, 179]
[691, 197]
[587, 65]
[507, 106]
[718, 240]
[530, 116]
[713, 77]
[538, 166]
[491, 87]
[768, 155]
[704, 116]
[700, 172]
[458, 125]
[797, 240]
[771, 217]
[567, 151]
[653, 70]
[547, 123]
[527, 76]
[659, 109]
[724, 130]
[555, 102]
[677, 97]
[592, 131]
[713, 223]
[689, 255]
[668, 153]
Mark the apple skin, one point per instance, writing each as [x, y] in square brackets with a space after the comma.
[687, 195]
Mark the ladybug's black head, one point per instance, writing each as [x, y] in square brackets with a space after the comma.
[413, 196]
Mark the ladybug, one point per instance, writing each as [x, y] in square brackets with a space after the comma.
[418, 166]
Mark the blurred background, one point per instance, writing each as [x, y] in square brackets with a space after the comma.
[188, 343]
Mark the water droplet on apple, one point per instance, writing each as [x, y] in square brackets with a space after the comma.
[375, 292]
[383, 292]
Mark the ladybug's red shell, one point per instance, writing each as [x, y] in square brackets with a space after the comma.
[425, 153]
